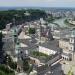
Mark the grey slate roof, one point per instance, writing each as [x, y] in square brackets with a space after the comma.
[69, 55]
[53, 45]
[65, 39]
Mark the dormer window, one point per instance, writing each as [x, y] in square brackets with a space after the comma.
[71, 40]
[71, 48]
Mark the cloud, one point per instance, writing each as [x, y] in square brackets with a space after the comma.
[43, 3]
[69, 0]
[36, 1]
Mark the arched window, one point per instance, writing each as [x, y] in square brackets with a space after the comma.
[70, 59]
[67, 59]
[63, 57]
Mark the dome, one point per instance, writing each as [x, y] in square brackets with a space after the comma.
[14, 31]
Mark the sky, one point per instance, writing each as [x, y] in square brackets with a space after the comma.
[37, 3]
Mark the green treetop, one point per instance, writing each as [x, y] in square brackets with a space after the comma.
[70, 72]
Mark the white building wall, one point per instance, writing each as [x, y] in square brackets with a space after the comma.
[71, 40]
[71, 47]
[64, 45]
[65, 57]
[46, 50]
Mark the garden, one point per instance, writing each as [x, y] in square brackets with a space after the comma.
[41, 56]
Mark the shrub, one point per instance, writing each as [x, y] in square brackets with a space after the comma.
[31, 30]
[4, 70]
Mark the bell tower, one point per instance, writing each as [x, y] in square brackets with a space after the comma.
[72, 44]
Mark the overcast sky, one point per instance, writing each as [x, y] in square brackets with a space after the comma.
[40, 3]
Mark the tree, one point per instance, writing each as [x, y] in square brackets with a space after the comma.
[2, 24]
[4, 70]
[1, 43]
[7, 16]
[10, 63]
[31, 30]
[25, 65]
[1, 50]
[70, 72]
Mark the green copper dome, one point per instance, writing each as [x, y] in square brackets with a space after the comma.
[14, 31]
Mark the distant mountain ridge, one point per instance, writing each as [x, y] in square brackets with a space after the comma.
[41, 8]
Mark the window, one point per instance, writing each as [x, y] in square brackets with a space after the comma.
[66, 47]
[71, 40]
[63, 57]
[71, 47]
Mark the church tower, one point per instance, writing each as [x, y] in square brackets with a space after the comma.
[72, 44]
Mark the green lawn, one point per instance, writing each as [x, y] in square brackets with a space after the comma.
[40, 55]
[36, 53]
